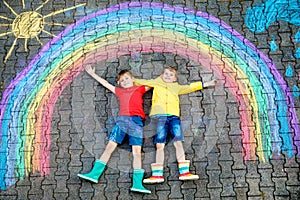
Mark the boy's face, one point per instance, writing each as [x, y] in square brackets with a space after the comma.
[169, 76]
[126, 81]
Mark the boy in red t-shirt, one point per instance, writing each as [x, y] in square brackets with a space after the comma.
[129, 121]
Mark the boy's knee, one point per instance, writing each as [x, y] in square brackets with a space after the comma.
[160, 146]
[178, 144]
[136, 150]
[111, 146]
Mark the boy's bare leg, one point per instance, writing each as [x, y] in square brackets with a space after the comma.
[137, 157]
[180, 155]
[100, 164]
[157, 167]
[160, 153]
[138, 172]
[109, 149]
[183, 165]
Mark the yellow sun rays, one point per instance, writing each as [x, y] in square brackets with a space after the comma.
[29, 24]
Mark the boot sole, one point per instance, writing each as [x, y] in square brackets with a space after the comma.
[141, 191]
[87, 178]
[153, 182]
[188, 179]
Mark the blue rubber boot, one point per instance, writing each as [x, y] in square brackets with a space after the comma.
[95, 173]
[138, 175]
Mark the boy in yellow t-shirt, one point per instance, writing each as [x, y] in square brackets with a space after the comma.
[165, 109]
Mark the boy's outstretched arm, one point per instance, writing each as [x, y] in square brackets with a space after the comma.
[137, 83]
[91, 71]
[211, 83]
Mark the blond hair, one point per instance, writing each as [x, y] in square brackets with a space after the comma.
[172, 69]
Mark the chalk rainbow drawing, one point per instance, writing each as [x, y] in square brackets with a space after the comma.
[267, 114]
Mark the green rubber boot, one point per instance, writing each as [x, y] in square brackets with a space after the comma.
[95, 173]
[138, 175]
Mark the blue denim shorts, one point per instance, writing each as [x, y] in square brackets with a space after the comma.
[168, 124]
[128, 125]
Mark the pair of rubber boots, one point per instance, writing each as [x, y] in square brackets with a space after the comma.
[99, 167]
[157, 172]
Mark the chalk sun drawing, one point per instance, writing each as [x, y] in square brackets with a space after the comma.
[29, 24]
[265, 103]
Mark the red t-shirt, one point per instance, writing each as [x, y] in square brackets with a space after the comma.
[131, 101]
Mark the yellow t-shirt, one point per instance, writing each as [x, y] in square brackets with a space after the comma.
[165, 99]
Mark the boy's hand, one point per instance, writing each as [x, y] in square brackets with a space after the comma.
[89, 69]
[211, 83]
